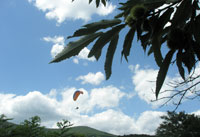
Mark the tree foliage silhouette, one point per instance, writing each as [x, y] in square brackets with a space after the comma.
[174, 22]
[179, 125]
[32, 128]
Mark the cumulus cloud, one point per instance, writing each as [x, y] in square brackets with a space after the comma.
[58, 44]
[92, 78]
[60, 10]
[106, 97]
[51, 110]
[83, 55]
[196, 113]
[144, 81]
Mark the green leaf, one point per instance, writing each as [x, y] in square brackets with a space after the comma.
[145, 40]
[183, 13]
[157, 34]
[196, 29]
[90, 1]
[73, 48]
[156, 45]
[179, 64]
[163, 71]
[162, 21]
[119, 15]
[97, 3]
[103, 40]
[196, 48]
[104, 2]
[128, 43]
[138, 28]
[150, 51]
[109, 56]
[95, 26]
[188, 59]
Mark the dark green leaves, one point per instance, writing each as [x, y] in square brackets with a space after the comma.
[110, 55]
[163, 71]
[183, 13]
[157, 35]
[95, 26]
[103, 40]
[154, 28]
[188, 59]
[196, 29]
[104, 2]
[128, 43]
[73, 48]
[179, 64]
[98, 2]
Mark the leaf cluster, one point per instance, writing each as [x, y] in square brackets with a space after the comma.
[98, 2]
[33, 128]
[177, 25]
[179, 125]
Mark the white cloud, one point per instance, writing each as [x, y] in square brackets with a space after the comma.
[92, 78]
[60, 10]
[56, 39]
[106, 97]
[148, 122]
[196, 113]
[83, 55]
[75, 60]
[56, 48]
[58, 44]
[57, 105]
[144, 81]
[51, 110]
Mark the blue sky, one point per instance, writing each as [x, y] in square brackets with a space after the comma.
[34, 31]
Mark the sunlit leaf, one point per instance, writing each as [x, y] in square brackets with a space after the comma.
[73, 48]
[163, 71]
[183, 13]
[109, 56]
[162, 21]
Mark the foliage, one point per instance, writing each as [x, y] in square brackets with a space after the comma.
[33, 128]
[179, 125]
[64, 127]
[29, 128]
[5, 127]
[177, 25]
[135, 135]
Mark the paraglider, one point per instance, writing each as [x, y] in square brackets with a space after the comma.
[76, 95]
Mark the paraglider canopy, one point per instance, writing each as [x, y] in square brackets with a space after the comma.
[76, 95]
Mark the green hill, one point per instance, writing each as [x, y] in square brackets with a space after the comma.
[89, 132]
[78, 130]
